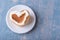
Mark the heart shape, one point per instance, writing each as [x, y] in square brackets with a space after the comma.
[20, 18]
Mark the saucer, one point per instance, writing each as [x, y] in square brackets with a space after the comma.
[18, 29]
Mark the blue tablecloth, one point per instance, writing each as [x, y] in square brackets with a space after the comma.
[47, 25]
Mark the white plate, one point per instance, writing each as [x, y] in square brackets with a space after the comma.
[17, 29]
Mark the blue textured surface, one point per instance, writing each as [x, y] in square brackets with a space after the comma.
[48, 20]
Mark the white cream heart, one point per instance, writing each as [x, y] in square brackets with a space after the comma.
[20, 18]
